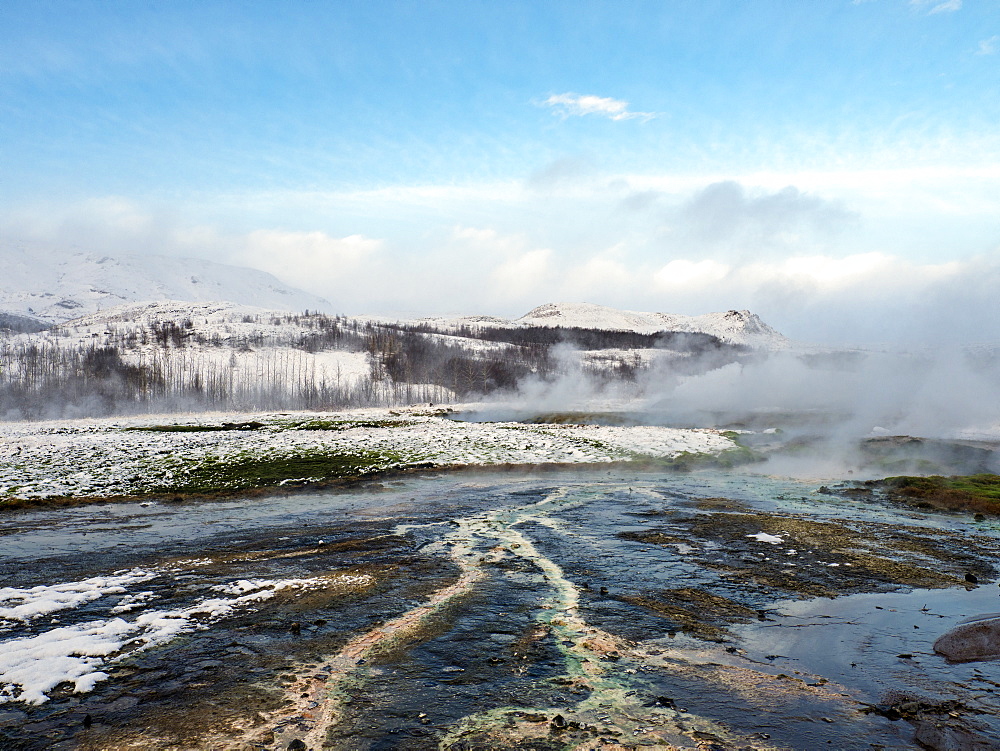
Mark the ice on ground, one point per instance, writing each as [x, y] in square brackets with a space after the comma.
[30, 667]
[765, 537]
[29, 603]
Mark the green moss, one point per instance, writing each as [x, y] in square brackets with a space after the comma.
[734, 457]
[979, 492]
[245, 471]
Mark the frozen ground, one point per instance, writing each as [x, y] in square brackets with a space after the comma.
[139, 455]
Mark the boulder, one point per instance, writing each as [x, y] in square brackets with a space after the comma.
[974, 639]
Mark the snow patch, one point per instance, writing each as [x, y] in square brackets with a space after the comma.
[30, 603]
[30, 667]
[765, 537]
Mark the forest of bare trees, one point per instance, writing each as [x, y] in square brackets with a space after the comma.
[170, 365]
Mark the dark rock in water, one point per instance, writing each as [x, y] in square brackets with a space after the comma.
[558, 722]
[296, 745]
[979, 517]
[938, 734]
[88, 721]
[972, 578]
[977, 639]
[887, 711]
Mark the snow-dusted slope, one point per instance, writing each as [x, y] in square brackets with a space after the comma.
[58, 285]
[734, 326]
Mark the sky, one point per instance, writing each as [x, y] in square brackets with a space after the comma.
[832, 165]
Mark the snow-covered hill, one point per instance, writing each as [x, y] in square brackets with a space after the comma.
[56, 285]
[734, 327]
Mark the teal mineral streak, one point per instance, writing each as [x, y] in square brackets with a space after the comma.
[611, 701]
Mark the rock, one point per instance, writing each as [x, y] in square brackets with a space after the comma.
[951, 735]
[972, 578]
[296, 745]
[976, 639]
[558, 722]
[88, 721]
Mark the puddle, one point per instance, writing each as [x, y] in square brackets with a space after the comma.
[584, 610]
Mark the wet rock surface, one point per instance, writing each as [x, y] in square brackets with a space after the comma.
[586, 611]
[977, 640]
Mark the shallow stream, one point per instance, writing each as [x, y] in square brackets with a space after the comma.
[494, 610]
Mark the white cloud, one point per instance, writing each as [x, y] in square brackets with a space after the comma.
[587, 104]
[782, 245]
[948, 6]
[989, 46]
[684, 273]
[487, 241]
[521, 276]
[729, 217]
[601, 274]
[311, 260]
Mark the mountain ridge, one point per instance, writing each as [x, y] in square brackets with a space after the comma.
[733, 327]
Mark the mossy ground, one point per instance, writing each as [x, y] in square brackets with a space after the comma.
[816, 558]
[244, 472]
[977, 493]
[737, 456]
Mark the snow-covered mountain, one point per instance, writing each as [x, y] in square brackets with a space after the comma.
[734, 326]
[58, 285]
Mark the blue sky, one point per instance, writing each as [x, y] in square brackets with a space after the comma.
[832, 165]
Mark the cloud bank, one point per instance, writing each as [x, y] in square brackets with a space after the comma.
[804, 259]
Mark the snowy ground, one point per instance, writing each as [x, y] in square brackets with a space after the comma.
[30, 667]
[136, 455]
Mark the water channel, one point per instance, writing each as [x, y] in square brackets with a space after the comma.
[490, 610]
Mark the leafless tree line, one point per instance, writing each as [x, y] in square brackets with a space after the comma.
[170, 365]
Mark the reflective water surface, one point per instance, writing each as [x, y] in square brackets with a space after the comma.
[497, 610]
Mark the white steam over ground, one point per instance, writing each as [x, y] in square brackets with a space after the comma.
[939, 395]
[834, 398]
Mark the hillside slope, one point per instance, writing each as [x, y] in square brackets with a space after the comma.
[58, 285]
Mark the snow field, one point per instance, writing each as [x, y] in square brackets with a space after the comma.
[124, 457]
